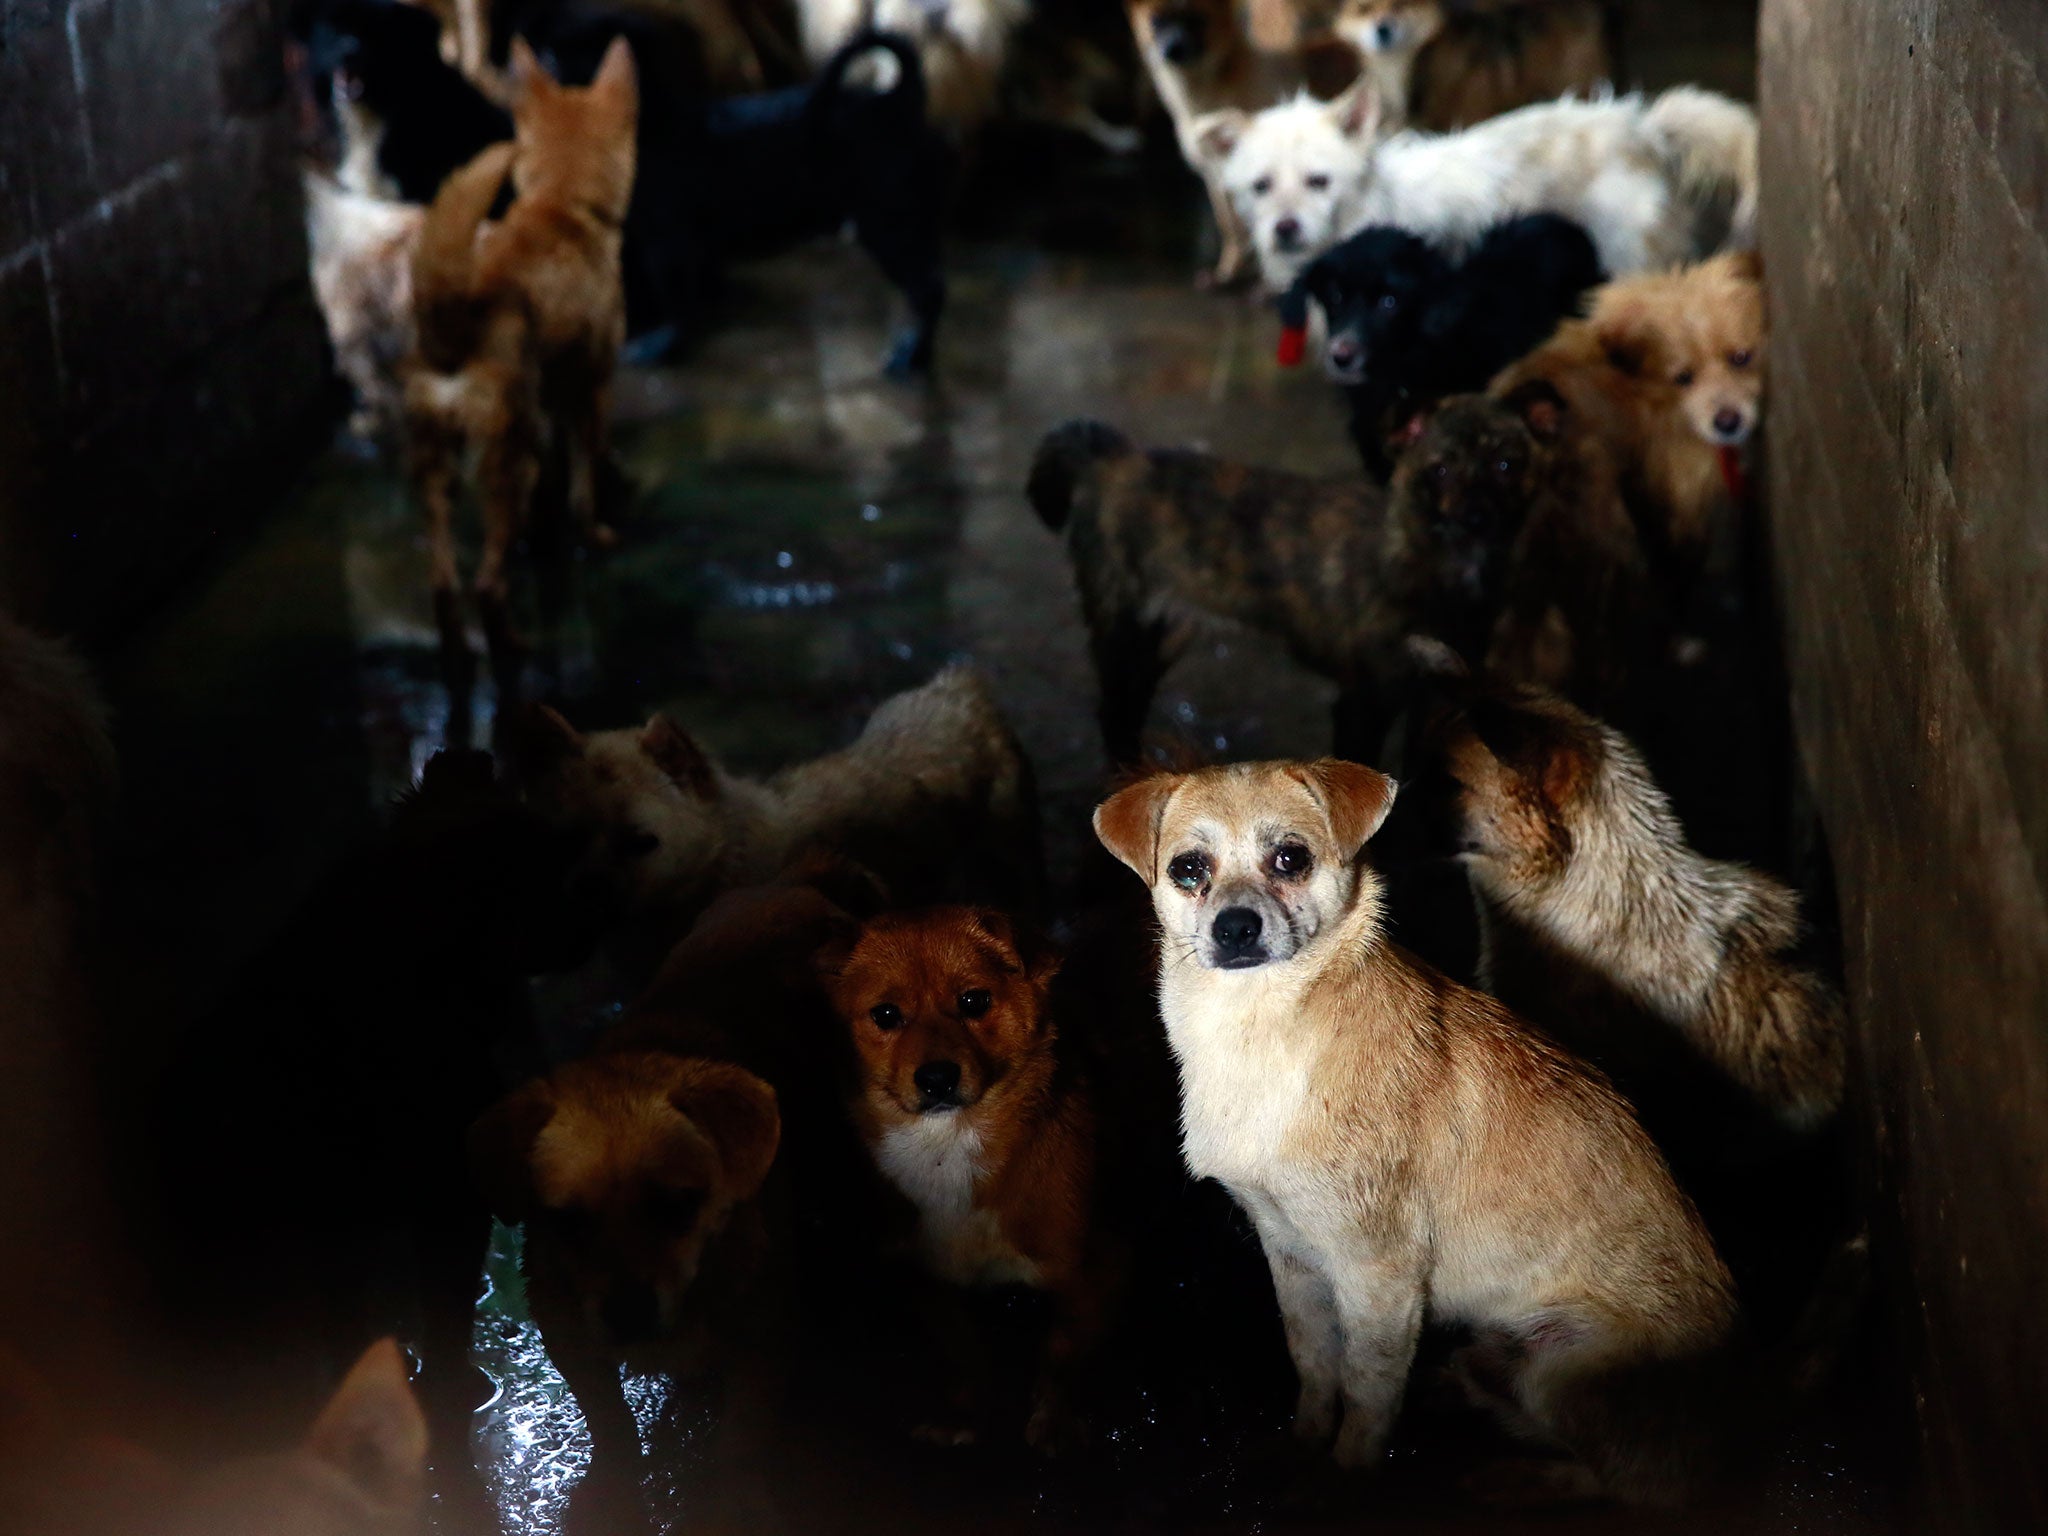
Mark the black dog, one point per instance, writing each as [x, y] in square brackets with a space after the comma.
[1407, 326]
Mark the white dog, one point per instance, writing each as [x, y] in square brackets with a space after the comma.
[1653, 182]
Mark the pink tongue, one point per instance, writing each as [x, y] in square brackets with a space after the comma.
[1731, 473]
[1293, 344]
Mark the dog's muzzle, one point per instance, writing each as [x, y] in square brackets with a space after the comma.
[1237, 939]
[1344, 359]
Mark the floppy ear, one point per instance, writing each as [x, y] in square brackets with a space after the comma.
[1217, 134]
[676, 753]
[1357, 112]
[738, 1112]
[500, 1144]
[617, 80]
[1127, 823]
[372, 1430]
[1540, 406]
[1356, 797]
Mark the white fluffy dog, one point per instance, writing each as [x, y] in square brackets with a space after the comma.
[1654, 182]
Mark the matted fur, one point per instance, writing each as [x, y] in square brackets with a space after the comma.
[1409, 1148]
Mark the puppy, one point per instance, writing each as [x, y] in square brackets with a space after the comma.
[362, 250]
[520, 324]
[963, 46]
[1601, 923]
[1201, 61]
[1406, 325]
[973, 1112]
[1442, 66]
[1163, 539]
[934, 792]
[1652, 182]
[1410, 1149]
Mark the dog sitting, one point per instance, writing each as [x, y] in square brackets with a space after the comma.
[1652, 182]
[1441, 65]
[963, 46]
[1406, 326]
[362, 250]
[1602, 924]
[1408, 1148]
[933, 796]
[975, 1114]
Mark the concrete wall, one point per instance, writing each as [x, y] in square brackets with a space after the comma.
[1906, 178]
[158, 344]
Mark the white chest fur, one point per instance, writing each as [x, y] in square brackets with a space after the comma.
[935, 1160]
[1245, 1070]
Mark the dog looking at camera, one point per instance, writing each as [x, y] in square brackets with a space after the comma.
[1441, 66]
[1409, 1148]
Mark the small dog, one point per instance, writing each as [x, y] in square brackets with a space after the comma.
[1406, 326]
[1409, 1148]
[1164, 538]
[974, 1113]
[1653, 182]
[934, 793]
[1442, 66]
[520, 325]
[1601, 924]
[362, 250]
[963, 46]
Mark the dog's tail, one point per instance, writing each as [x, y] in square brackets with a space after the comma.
[444, 262]
[1710, 143]
[907, 92]
[1065, 457]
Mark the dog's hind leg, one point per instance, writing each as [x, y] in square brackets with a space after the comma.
[910, 260]
[507, 476]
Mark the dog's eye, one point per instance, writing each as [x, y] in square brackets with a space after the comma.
[1189, 871]
[1440, 472]
[1503, 469]
[975, 1002]
[677, 1209]
[1741, 357]
[1262, 186]
[1292, 859]
[1682, 378]
[1318, 182]
[1389, 303]
[886, 1016]
[634, 843]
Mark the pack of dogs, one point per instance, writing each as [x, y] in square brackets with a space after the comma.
[868, 1065]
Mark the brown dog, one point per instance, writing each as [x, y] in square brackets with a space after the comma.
[1407, 1147]
[520, 321]
[973, 1112]
[1602, 924]
[1441, 66]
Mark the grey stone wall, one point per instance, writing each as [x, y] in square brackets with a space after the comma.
[159, 350]
[1906, 204]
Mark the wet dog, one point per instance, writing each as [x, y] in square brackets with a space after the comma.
[974, 1113]
[362, 249]
[1410, 1149]
[1443, 66]
[934, 793]
[1652, 182]
[1605, 927]
[1406, 326]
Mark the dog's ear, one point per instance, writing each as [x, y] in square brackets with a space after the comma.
[738, 1112]
[1358, 111]
[617, 81]
[1357, 799]
[1541, 407]
[1746, 266]
[1034, 954]
[1217, 134]
[373, 1432]
[1544, 752]
[1127, 823]
[529, 75]
[500, 1145]
[675, 752]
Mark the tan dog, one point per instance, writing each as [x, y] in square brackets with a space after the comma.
[976, 1116]
[1408, 1147]
[934, 794]
[520, 322]
[362, 249]
[1442, 66]
[1605, 927]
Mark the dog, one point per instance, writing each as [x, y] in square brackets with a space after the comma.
[520, 325]
[1406, 326]
[935, 797]
[1442, 66]
[1652, 182]
[1163, 539]
[360, 1471]
[963, 47]
[1604, 926]
[1408, 1148]
[973, 1111]
[362, 250]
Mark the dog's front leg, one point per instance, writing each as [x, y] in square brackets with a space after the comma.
[1380, 1307]
[1308, 1313]
[1234, 253]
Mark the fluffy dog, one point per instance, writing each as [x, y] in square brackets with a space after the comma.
[1406, 326]
[934, 793]
[520, 324]
[1442, 66]
[1653, 182]
[962, 44]
[1408, 1148]
[362, 249]
[1602, 924]
[974, 1113]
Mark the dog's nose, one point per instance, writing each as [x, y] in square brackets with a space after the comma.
[1287, 232]
[1237, 929]
[1385, 33]
[938, 1081]
[1343, 353]
[632, 1314]
[1727, 421]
